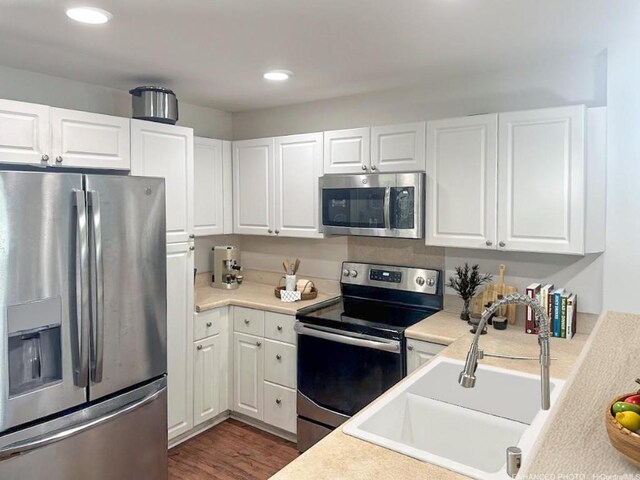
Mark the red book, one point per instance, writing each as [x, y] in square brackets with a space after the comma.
[533, 291]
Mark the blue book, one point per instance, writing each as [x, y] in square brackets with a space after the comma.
[557, 311]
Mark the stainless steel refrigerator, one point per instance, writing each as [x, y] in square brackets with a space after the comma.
[82, 327]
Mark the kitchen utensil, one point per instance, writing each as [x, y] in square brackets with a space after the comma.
[154, 103]
[490, 295]
[623, 440]
[296, 266]
[286, 265]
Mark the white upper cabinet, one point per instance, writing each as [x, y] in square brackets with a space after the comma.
[541, 194]
[398, 148]
[252, 192]
[347, 151]
[461, 181]
[166, 151]
[89, 140]
[25, 133]
[212, 212]
[298, 165]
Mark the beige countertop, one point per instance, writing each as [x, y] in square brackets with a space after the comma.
[339, 456]
[249, 294]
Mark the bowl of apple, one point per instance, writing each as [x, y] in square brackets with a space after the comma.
[622, 420]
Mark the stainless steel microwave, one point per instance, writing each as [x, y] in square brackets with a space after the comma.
[379, 205]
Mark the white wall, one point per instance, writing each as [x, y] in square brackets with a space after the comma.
[622, 257]
[570, 81]
[64, 93]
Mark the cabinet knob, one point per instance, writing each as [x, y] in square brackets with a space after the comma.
[410, 347]
[246, 321]
[192, 236]
[269, 231]
[45, 158]
[278, 357]
[279, 327]
[258, 344]
[192, 248]
[277, 232]
[278, 401]
[364, 167]
[209, 324]
[488, 243]
[502, 244]
[373, 168]
[58, 159]
[199, 347]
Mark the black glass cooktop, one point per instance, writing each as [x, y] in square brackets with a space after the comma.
[371, 317]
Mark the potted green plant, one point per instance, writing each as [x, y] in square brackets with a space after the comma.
[465, 283]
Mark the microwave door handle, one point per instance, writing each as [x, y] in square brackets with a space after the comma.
[325, 334]
[387, 208]
[97, 337]
[82, 289]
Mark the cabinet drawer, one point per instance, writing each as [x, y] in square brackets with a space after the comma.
[208, 323]
[280, 363]
[279, 327]
[248, 320]
[280, 407]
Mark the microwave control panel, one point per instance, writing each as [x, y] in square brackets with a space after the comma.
[385, 276]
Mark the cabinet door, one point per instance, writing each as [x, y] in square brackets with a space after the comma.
[419, 353]
[398, 148]
[206, 379]
[166, 151]
[462, 182]
[208, 187]
[347, 151]
[25, 133]
[248, 375]
[253, 186]
[89, 140]
[179, 338]
[541, 171]
[298, 166]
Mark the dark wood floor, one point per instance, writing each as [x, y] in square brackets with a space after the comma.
[230, 450]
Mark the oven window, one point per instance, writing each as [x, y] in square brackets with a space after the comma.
[344, 378]
[402, 206]
[353, 207]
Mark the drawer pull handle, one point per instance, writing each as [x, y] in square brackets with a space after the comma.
[199, 347]
[209, 324]
[279, 357]
[278, 401]
[409, 347]
[246, 321]
[279, 328]
[258, 344]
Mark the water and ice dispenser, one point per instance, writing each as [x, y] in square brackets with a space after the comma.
[34, 342]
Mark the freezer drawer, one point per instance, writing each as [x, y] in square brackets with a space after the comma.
[124, 437]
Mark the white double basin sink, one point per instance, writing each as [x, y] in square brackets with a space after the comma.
[432, 418]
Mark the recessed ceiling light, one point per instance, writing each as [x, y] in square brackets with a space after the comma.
[277, 75]
[94, 16]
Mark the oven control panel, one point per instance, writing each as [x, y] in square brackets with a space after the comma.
[408, 279]
[390, 276]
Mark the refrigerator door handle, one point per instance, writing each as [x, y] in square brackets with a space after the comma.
[82, 290]
[25, 446]
[97, 337]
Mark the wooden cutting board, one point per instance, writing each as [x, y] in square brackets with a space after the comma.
[491, 293]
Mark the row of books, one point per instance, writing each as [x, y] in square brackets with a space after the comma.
[561, 307]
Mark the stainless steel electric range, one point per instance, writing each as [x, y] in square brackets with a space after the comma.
[352, 349]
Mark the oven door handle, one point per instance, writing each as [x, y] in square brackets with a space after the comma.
[339, 336]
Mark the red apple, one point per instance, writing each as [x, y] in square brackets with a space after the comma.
[633, 399]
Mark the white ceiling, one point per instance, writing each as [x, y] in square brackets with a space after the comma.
[213, 52]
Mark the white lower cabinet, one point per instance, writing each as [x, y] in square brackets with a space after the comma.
[264, 367]
[210, 364]
[420, 352]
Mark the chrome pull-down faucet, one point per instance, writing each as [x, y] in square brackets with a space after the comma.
[467, 376]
